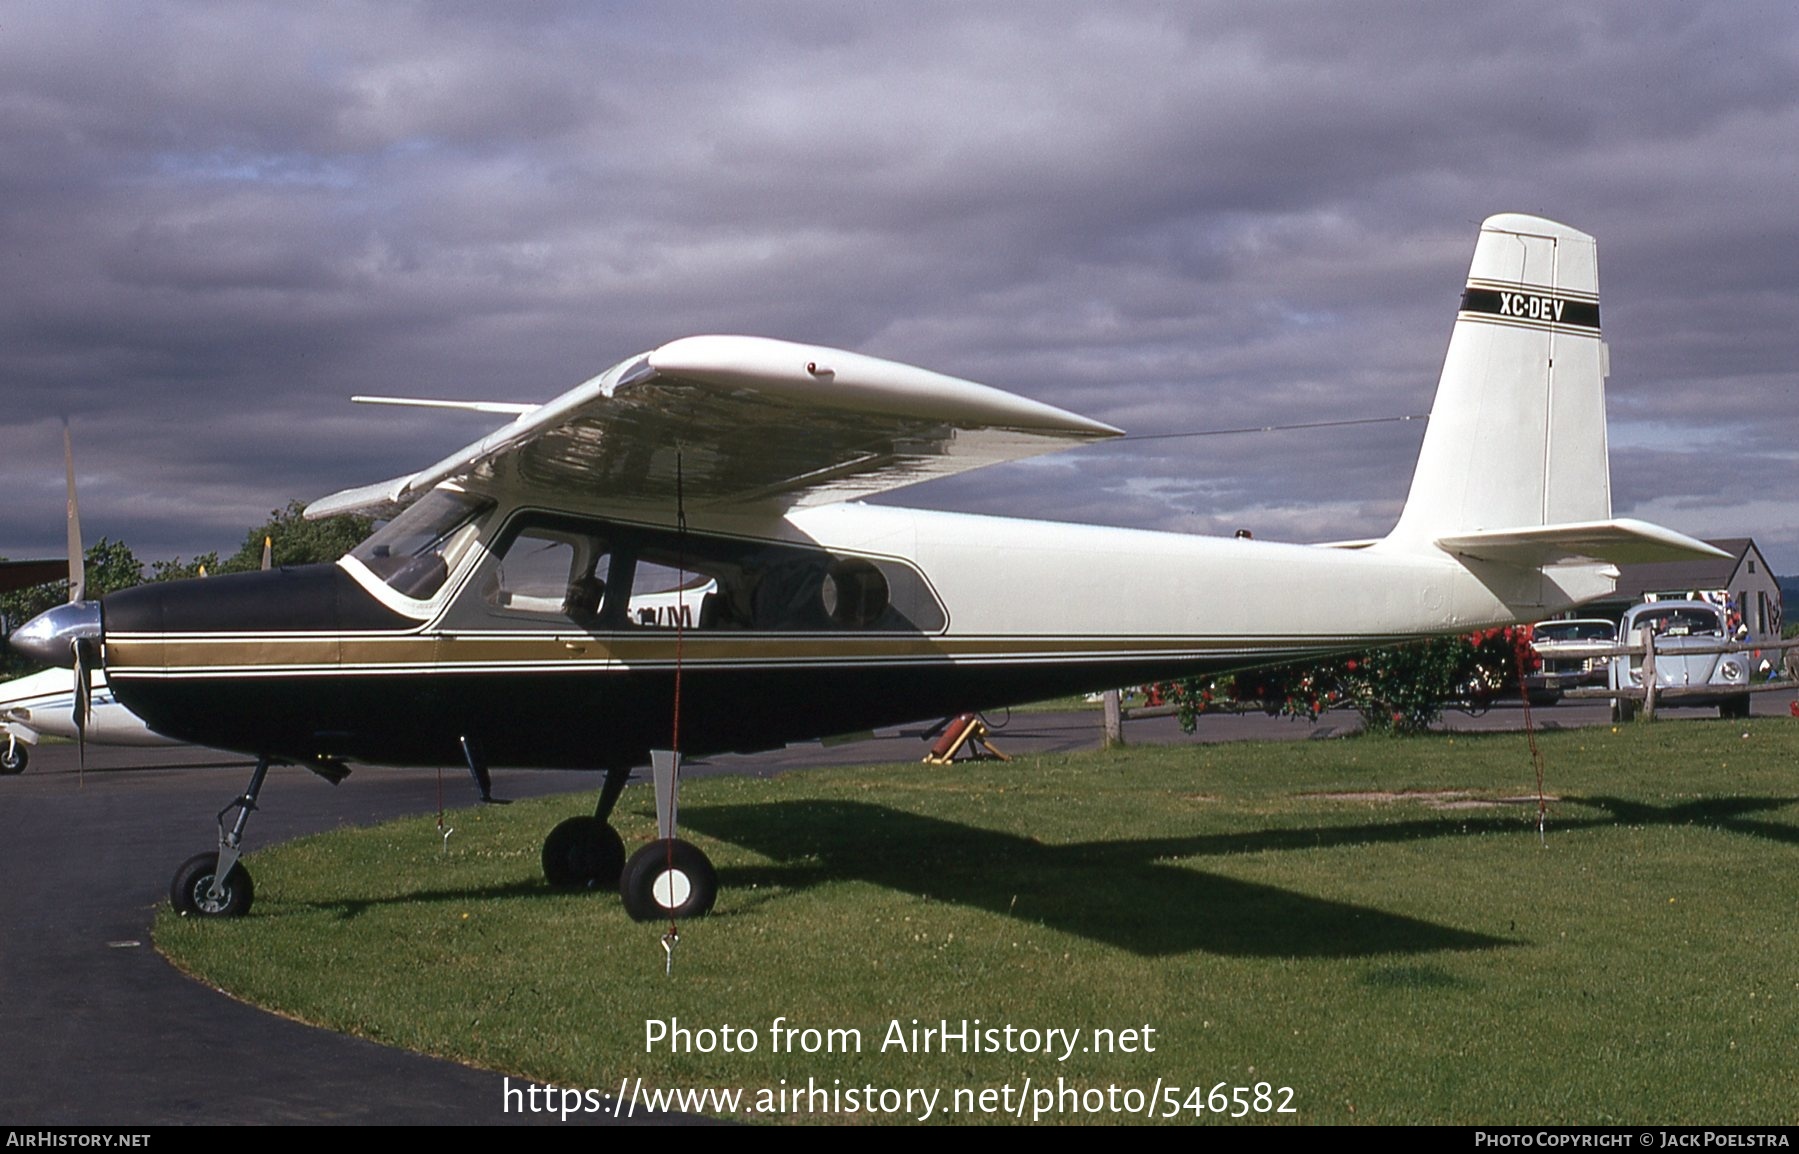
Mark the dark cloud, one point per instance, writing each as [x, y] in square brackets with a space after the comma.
[219, 220]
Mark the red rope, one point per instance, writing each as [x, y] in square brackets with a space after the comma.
[1520, 642]
[674, 786]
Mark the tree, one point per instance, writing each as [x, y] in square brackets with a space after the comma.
[202, 565]
[297, 541]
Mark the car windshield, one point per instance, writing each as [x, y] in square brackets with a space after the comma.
[1575, 631]
[416, 551]
[1680, 623]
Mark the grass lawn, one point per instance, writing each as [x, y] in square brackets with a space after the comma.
[1373, 923]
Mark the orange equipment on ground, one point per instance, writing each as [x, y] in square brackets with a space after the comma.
[966, 731]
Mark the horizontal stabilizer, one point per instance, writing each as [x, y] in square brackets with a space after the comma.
[1620, 541]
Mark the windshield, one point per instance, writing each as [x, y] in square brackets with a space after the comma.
[1680, 623]
[416, 551]
[1575, 631]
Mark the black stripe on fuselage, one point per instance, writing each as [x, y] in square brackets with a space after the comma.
[1532, 307]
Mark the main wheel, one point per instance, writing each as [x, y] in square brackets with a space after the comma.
[583, 853]
[668, 879]
[14, 758]
[190, 892]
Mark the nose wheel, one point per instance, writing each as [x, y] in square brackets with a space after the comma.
[215, 884]
[193, 893]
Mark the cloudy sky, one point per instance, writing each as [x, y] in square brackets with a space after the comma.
[220, 220]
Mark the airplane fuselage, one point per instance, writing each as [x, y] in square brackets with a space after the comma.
[782, 627]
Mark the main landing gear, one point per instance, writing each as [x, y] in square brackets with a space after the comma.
[668, 878]
[585, 853]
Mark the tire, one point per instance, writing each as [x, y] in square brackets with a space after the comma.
[1735, 709]
[188, 892]
[668, 879]
[1624, 709]
[13, 759]
[583, 853]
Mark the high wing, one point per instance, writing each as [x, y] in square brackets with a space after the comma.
[736, 419]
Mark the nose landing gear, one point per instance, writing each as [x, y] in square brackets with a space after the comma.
[216, 885]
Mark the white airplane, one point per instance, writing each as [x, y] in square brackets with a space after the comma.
[496, 618]
[43, 705]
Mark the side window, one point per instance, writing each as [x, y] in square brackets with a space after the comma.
[664, 595]
[550, 573]
[723, 584]
[854, 593]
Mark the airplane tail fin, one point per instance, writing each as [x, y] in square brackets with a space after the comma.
[1514, 468]
[1517, 432]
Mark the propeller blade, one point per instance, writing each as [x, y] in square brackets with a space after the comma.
[84, 697]
[77, 559]
[268, 552]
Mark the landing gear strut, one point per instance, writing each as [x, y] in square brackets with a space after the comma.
[669, 878]
[477, 769]
[216, 885]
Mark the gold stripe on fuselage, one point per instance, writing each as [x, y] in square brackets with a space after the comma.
[201, 654]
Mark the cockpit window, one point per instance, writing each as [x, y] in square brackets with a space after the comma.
[416, 551]
[550, 572]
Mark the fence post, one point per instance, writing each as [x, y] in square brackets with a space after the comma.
[1649, 694]
[1114, 719]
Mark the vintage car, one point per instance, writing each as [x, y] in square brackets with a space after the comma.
[1551, 640]
[1690, 667]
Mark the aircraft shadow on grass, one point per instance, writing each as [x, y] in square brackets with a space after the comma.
[1132, 895]
[1724, 813]
[1127, 894]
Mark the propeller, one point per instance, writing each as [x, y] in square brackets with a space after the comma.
[77, 558]
[85, 651]
[268, 552]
